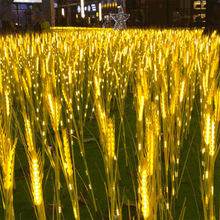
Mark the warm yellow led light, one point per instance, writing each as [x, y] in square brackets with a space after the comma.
[68, 160]
[182, 90]
[144, 195]
[1, 85]
[7, 102]
[141, 108]
[212, 144]
[28, 132]
[36, 182]
[207, 128]
[111, 139]
[163, 106]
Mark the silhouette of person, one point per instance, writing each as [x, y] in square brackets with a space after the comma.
[37, 18]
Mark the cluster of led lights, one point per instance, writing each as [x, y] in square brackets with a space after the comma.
[36, 182]
[68, 74]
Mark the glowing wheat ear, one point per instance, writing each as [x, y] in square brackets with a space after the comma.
[68, 162]
[110, 139]
[7, 161]
[36, 181]
[145, 201]
[8, 169]
[29, 137]
[7, 102]
[1, 83]
[207, 132]
[213, 137]
[163, 105]
[54, 110]
[56, 79]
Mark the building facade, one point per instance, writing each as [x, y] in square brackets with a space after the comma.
[19, 13]
[90, 13]
[168, 13]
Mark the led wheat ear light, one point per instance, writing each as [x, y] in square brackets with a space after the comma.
[67, 154]
[36, 181]
[70, 72]
[163, 108]
[141, 103]
[145, 194]
[8, 170]
[182, 90]
[212, 144]
[111, 139]
[7, 102]
[207, 129]
[1, 87]
[28, 132]
[151, 153]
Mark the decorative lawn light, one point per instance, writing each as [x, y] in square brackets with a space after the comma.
[55, 80]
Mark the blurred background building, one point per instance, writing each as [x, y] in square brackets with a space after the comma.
[95, 13]
[171, 13]
[19, 13]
